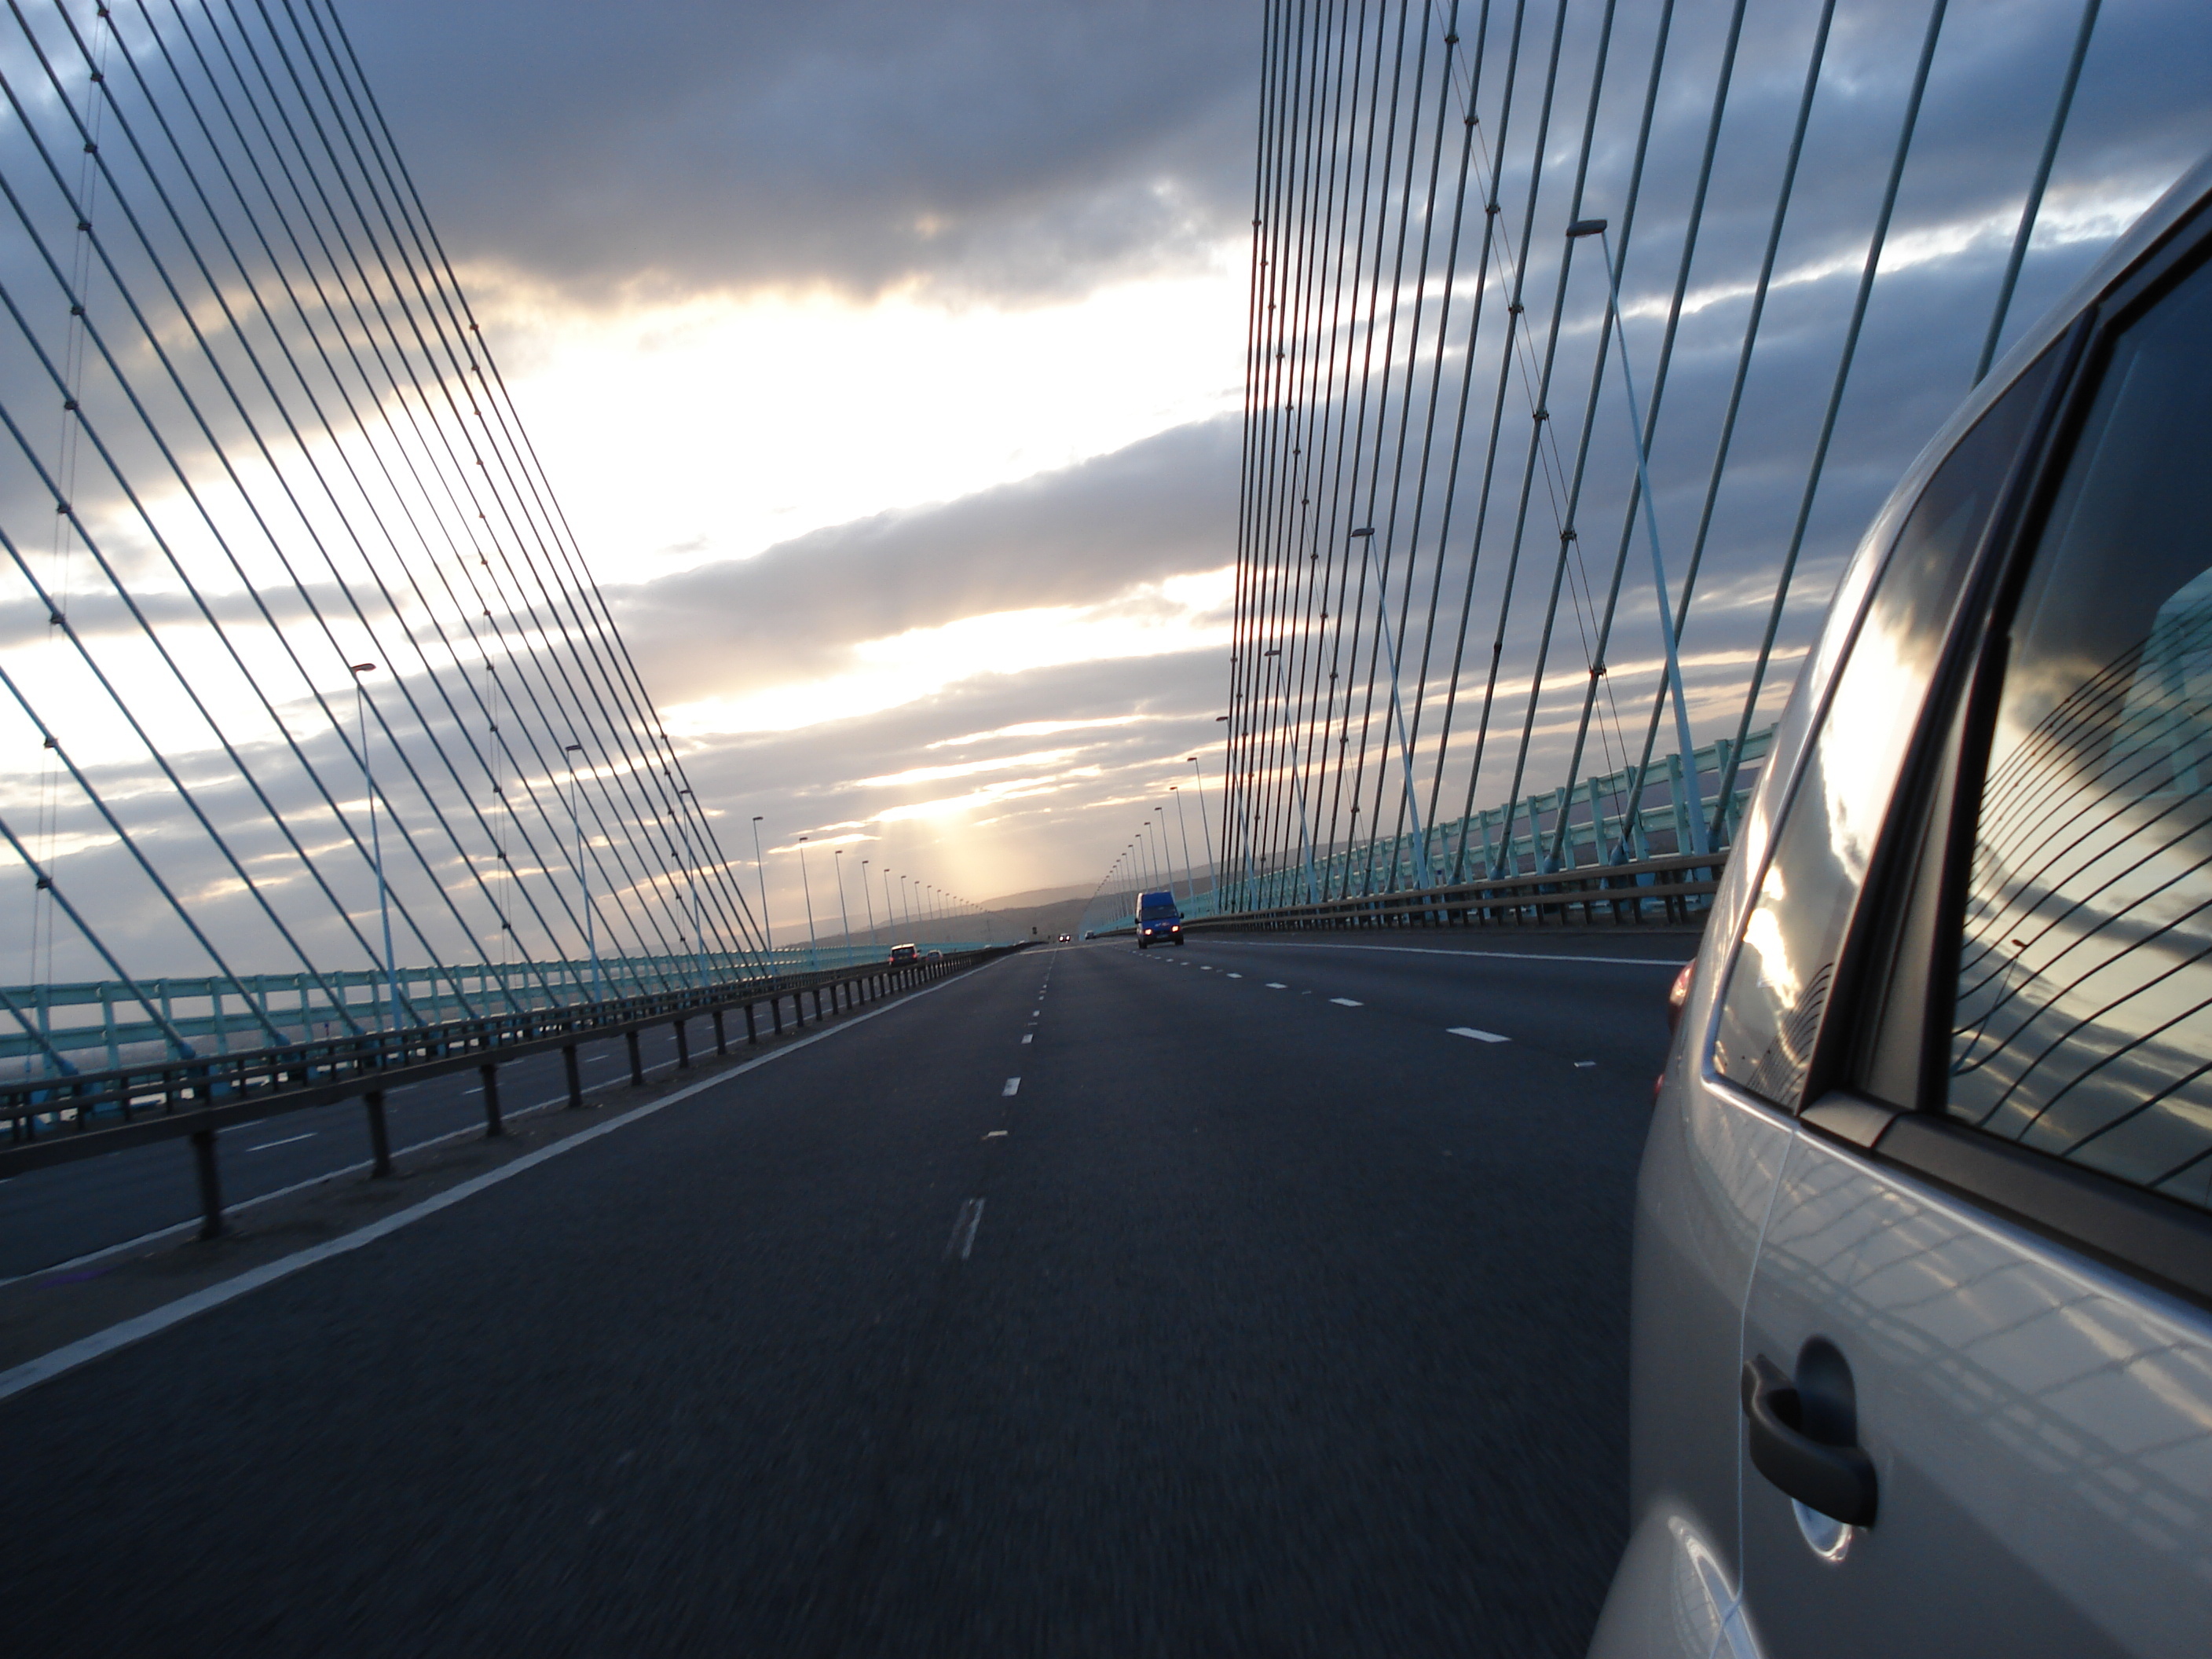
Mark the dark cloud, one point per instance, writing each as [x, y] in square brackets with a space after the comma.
[1079, 536]
[998, 146]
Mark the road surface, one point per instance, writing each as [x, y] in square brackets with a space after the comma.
[1242, 1299]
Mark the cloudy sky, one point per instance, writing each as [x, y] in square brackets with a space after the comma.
[887, 357]
[888, 362]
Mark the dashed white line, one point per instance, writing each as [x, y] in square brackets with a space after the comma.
[1029, 1037]
[1480, 1037]
[1584, 1064]
[1013, 1086]
[1346, 1002]
[995, 1135]
[963, 1230]
[287, 1141]
[1277, 985]
[1237, 977]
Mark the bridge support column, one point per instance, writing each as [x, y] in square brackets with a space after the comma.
[379, 1137]
[721, 1037]
[683, 1048]
[575, 1077]
[211, 1223]
[636, 1061]
[494, 1126]
[775, 1014]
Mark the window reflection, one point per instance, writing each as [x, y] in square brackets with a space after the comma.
[1779, 985]
[2084, 1019]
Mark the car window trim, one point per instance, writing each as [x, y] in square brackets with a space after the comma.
[2140, 1232]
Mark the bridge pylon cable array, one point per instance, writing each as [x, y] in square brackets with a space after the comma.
[1515, 266]
[309, 650]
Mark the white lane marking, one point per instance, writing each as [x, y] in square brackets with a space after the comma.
[1480, 1037]
[85, 1350]
[1277, 985]
[1029, 1037]
[995, 1135]
[1346, 1002]
[963, 1230]
[1431, 951]
[1237, 977]
[1582, 1064]
[287, 1141]
[1013, 1086]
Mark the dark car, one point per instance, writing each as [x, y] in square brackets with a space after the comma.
[1159, 921]
[900, 953]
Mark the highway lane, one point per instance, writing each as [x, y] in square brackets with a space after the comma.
[70, 1211]
[1219, 1315]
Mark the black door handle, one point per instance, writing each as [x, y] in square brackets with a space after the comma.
[1837, 1480]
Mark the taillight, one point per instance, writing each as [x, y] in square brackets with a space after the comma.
[1679, 995]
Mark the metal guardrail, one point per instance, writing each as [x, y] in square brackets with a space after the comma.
[1678, 885]
[54, 1021]
[58, 1120]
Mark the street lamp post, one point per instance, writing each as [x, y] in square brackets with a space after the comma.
[698, 944]
[869, 899]
[813, 954]
[583, 873]
[768, 935]
[844, 914]
[375, 839]
[890, 916]
[1183, 827]
[1212, 878]
[906, 904]
[1166, 847]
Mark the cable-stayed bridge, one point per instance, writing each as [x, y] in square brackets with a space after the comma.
[1265, 1296]
[1580, 337]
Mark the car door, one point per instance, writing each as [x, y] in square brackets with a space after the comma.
[1977, 1360]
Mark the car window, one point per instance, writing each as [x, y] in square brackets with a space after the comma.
[2083, 1023]
[1779, 983]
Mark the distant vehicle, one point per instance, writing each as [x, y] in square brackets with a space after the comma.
[933, 955]
[906, 953]
[1092, 934]
[1067, 939]
[1921, 1314]
[1158, 921]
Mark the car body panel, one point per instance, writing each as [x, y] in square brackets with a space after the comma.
[2040, 1426]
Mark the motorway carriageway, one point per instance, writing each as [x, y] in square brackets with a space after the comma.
[1244, 1297]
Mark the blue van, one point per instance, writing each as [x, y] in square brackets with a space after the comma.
[1159, 922]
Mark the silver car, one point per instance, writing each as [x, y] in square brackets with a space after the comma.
[1922, 1360]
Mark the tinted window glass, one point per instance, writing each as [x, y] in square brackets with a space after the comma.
[2084, 1018]
[1778, 984]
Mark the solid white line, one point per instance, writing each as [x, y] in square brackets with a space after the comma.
[1346, 1002]
[1430, 950]
[1013, 1086]
[287, 1141]
[1480, 1037]
[70, 1356]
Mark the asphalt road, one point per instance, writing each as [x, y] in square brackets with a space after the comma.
[1263, 1314]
